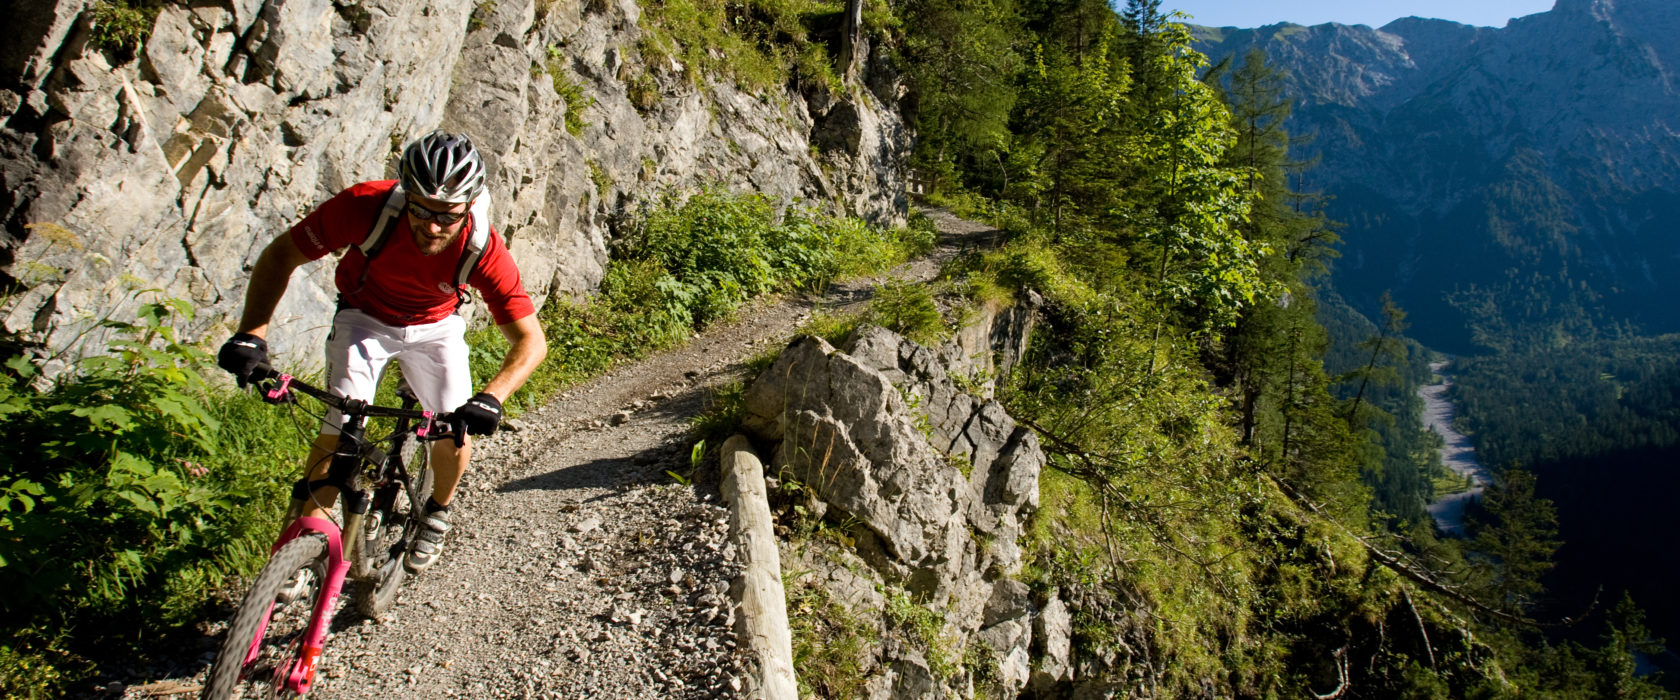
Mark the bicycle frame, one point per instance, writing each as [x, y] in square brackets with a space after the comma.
[344, 546]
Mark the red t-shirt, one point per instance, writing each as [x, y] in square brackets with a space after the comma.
[403, 287]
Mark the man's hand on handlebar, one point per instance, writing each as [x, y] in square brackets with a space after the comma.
[241, 354]
[480, 414]
[266, 381]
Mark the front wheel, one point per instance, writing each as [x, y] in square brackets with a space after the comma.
[265, 637]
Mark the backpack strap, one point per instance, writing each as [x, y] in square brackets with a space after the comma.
[478, 238]
[389, 217]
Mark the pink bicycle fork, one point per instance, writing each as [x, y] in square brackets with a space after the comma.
[297, 673]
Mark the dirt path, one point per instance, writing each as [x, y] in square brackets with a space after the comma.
[578, 568]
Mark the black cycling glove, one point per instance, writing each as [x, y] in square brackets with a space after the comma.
[480, 414]
[241, 354]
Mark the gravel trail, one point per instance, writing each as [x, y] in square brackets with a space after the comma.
[577, 567]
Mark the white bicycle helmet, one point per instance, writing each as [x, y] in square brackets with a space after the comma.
[444, 167]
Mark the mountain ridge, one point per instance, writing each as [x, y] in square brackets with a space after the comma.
[1450, 139]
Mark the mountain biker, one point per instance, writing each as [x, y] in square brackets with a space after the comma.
[399, 300]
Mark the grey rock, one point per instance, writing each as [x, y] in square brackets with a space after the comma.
[879, 432]
[1010, 600]
[237, 118]
[1009, 641]
[1052, 645]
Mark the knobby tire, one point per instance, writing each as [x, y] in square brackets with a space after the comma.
[280, 638]
[399, 524]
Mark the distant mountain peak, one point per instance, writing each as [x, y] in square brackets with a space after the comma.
[1466, 157]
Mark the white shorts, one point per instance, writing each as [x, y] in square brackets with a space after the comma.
[433, 358]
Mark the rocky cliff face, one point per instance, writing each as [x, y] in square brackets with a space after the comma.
[1525, 164]
[170, 169]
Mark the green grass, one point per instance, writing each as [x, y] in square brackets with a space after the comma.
[924, 628]
[831, 645]
[761, 44]
[908, 309]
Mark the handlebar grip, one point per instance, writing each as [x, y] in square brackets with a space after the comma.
[264, 373]
[441, 426]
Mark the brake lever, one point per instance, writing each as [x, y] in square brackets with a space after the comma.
[273, 386]
[440, 426]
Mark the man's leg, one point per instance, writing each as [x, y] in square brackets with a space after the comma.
[356, 353]
[319, 461]
[448, 465]
[434, 362]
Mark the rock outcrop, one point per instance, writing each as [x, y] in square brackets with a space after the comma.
[171, 168]
[932, 484]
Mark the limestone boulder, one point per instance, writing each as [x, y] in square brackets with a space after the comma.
[933, 484]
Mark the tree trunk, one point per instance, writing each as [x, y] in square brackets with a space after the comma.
[851, 40]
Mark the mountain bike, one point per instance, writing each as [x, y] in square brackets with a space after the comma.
[276, 637]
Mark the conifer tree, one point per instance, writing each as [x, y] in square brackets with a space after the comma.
[1516, 535]
[961, 65]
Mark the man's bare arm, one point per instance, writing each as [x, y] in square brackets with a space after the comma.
[269, 278]
[529, 347]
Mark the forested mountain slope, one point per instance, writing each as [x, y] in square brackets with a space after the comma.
[1223, 506]
[1507, 184]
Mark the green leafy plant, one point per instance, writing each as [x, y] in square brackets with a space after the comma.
[568, 90]
[122, 26]
[909, 310]
[134, 490]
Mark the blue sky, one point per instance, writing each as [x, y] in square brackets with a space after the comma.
[1256, 13]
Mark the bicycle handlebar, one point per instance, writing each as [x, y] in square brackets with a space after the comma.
[276, 387]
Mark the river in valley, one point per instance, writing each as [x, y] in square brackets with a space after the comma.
[1456, 453]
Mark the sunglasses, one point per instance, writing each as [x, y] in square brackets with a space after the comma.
[444, 218]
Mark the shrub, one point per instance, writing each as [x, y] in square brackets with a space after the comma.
[122, 26]
[134, 489]
[909, 310]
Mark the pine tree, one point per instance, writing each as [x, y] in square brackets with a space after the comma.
[1516, 535]
[961, 65]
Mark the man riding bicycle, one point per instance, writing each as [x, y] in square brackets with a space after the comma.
[412, 245]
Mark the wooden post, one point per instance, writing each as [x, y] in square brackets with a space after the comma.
[762, 625]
